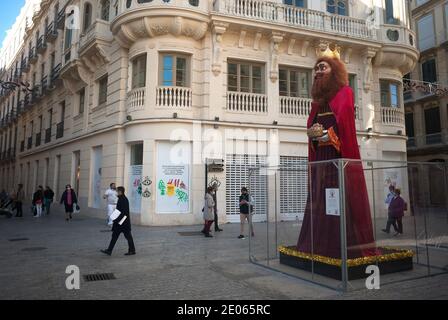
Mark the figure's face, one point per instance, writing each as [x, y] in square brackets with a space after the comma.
[322, 68]
[113, 187]
[119, 192]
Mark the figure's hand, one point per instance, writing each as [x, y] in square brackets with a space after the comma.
[317, 130]
[324, 138]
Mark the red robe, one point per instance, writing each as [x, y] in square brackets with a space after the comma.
[360, 240]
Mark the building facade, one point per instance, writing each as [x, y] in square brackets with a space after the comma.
[426, 96]
[133, 91]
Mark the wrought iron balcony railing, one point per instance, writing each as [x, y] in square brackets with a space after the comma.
[60, 130]
[47, 135]
[38, 139]
[41, 45]
[51, 33]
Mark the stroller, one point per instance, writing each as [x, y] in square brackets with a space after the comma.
[7, 207]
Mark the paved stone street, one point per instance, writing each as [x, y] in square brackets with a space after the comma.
[167, 266]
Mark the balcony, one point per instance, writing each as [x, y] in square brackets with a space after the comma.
[174, 97]
[415, 90]
[434, 138]
[51, 33]
[295, 107]
[55, 77]
[282, 14]
[32, 57]
[243, 102]
[60, 130]
[24, 65]
[136, 99]
[60, 20]
[41, 45]
[38, 139]
[22, 145]
[44, 86]
[30, 143]
[392, 116]
[99, 32]
[47, 135]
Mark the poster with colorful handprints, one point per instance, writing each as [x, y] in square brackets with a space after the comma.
[173, 180]
[135, 187]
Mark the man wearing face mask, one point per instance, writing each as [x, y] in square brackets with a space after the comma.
[332, 135]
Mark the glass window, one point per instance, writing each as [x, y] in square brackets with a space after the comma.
[87, 16]
[425, 30]
[294, 82]
[389, 94]
[105, 10]
[393, 95]
[102, 91]
[245, 77]
[174, 70]
[82, 98]
[432, 121]
[429, 72]
[337, 7]
[352, 84]
[68, 38]
[391, 14]
[62, 111]
[409, 120]
[296, 3]
[420, 2]
[139, 72]
[137, 154]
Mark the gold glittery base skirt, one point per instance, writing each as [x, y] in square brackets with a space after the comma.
[391, 260]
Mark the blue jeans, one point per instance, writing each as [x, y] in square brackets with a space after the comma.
[47, 204]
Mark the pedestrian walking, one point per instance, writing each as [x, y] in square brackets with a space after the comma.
[122, 224]
[111, 197]
[70, 201]
[396, 210]
[19, 197]
[246, 204]
[208, 212]
[215, 209]
[390, 195]
[48, 199]
[38, 200]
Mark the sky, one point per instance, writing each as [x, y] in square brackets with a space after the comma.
[9, 10]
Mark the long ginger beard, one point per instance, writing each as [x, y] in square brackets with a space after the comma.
[325, 87]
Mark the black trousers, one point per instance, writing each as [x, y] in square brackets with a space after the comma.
[127, 234]
[397, 223]
[19, 212]
[216, 221]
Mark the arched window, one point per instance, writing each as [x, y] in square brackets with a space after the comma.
[337, 7]
[105, 10]
[87, 16]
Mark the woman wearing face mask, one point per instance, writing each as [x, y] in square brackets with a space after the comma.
[69, 200]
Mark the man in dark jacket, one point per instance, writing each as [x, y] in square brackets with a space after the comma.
[48, 199]
[396, 210]
[125, 226]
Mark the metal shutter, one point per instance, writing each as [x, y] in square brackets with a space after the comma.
[293, 187]
[237, 177]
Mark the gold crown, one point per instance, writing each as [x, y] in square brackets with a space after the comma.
[330, 51]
